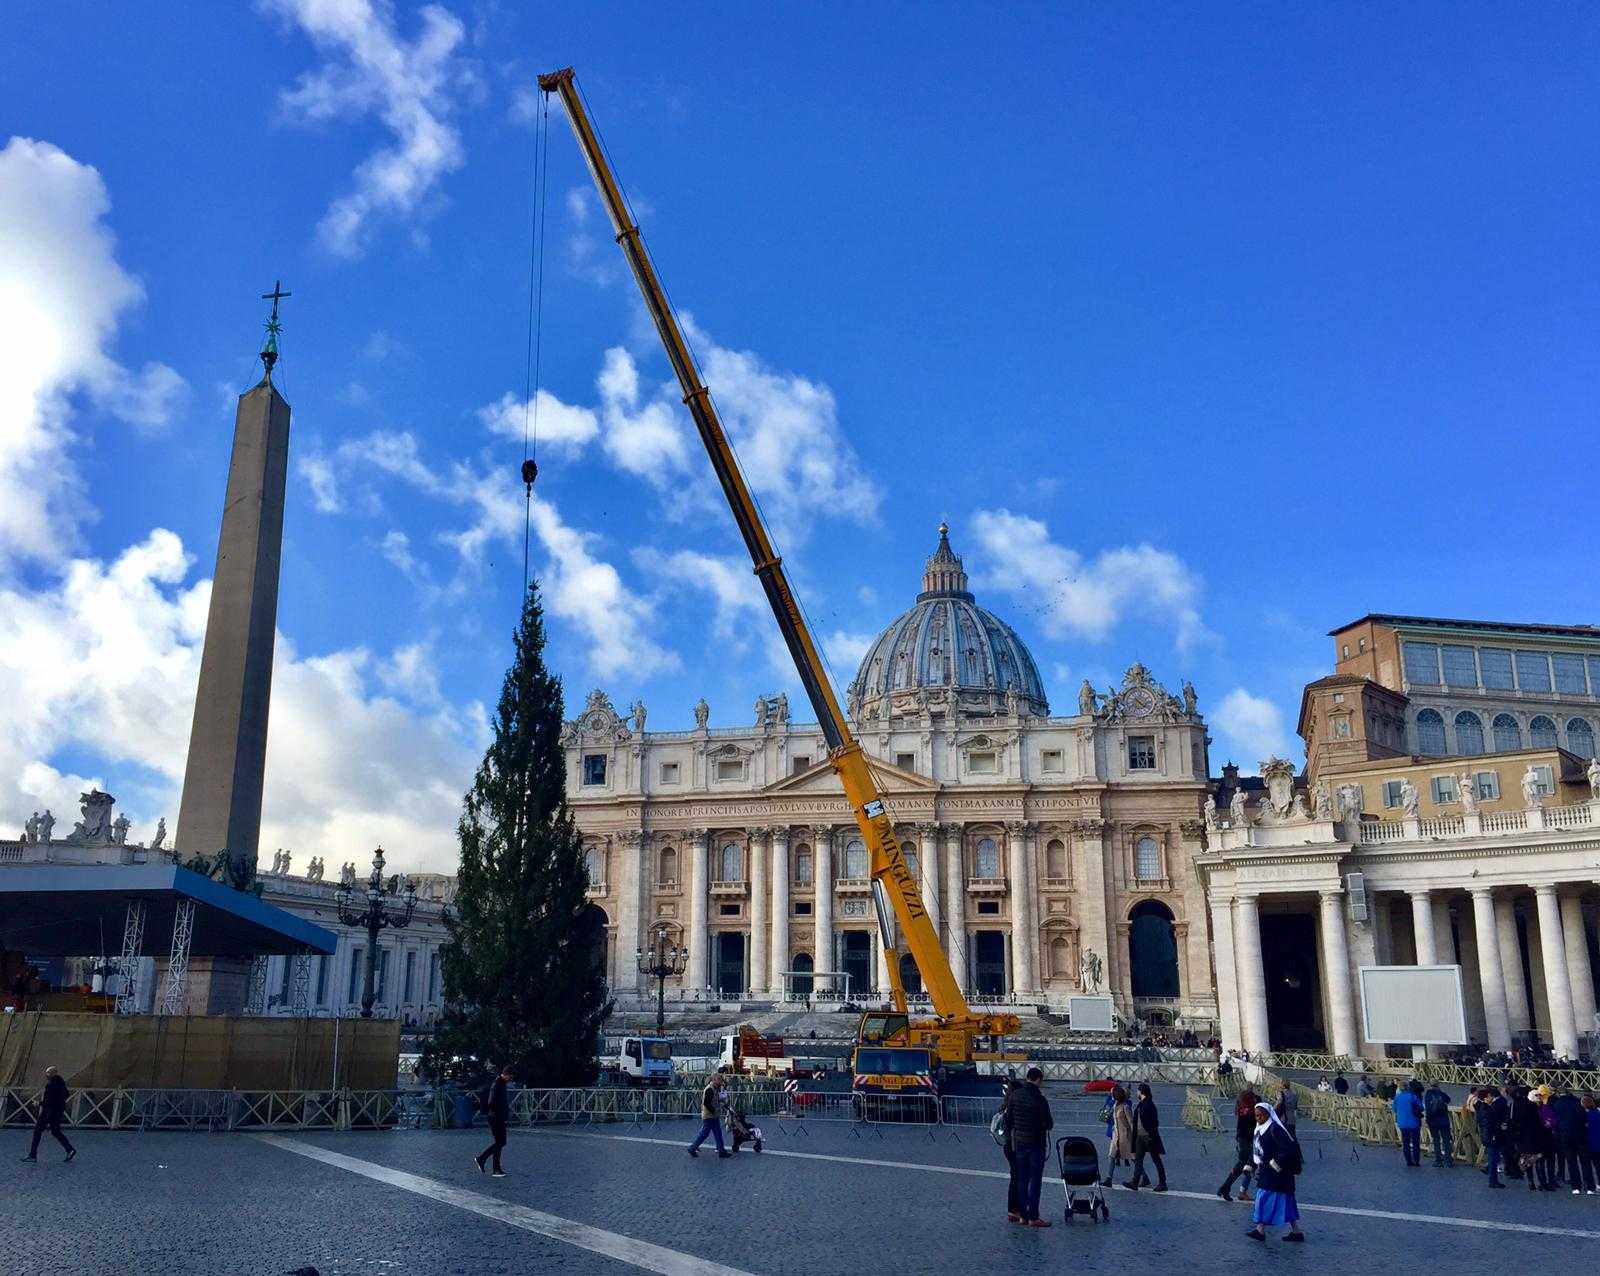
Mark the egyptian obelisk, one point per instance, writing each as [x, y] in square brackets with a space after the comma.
[221, 806]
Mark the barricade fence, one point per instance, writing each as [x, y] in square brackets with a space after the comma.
[219, 1110]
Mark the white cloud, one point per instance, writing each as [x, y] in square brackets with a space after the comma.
[526, 103]
[61, 294]
[647, 439]
[409, 85]
[846, 650]
[1251, 727]
[1081, 597]
[555, 424]
[317, 470]
[740, 612]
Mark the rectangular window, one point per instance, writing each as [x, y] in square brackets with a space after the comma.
[802, 908]
[1460, 666]
[1422, 663]
[1141, 753]
[1488, 786]
[1533, 671]
[1594, 675]
[989, 907]
[669, 773]
[906, 761]
[1346, 651]
[981, 763]
[801, 762]
[1338, 697]
[594, 768]
[1341, 727]
[320, 998]
[1569, 675]
[730, 769]
[1496, 665]
[727, 910]
[1547, 780]
[358, 973]
[1052, 761]
[1391, 794]
[433, 977]
[410, 976]
[1445, 790]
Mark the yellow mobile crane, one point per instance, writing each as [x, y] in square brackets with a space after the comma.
[956, 1032]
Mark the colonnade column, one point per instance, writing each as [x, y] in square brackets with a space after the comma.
[822, 883]
[1491, 978]
[779, 954]
[1422, 929]
[760, 906]
[1505, 926]
[955, 905]
[1252, 975]
[1336, 964]
[1558, 989]
[1227, 975]
[880, 964]
[1021, 890]
[928, 870]
[1579, 973]
[695, 976]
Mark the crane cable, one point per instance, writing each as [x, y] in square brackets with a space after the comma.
[531, 378]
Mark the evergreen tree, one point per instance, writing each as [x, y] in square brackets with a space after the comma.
[521, 977]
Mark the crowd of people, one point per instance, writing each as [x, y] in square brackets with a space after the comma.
[1548, 1138]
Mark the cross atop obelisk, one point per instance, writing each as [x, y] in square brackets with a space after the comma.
[269, 351]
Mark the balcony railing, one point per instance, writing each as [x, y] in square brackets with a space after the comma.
[986, 885]
[1578, 815]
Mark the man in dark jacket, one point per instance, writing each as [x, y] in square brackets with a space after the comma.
[496, 1105]
[1436, 1112]
[1493, 1115]
[1572, 1135]
[1147, 1142]
[1029, 1120]
[52, 1107]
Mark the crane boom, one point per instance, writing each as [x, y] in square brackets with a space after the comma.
[892, 881]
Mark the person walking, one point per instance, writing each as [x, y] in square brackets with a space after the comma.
[1244, 1137]
[1030, 1124]
[496, 1106]
[1147, 1142]
[711, 1116]
[52, 1107]
[1277, 1156]
[1572, 1137]
[1000, 1127]
[1436, 1112]
[1289, 1108]
[1408, 1120]
[1493, 1116]
[1121, 1151]
[1108, 1114]
[1340, 1085]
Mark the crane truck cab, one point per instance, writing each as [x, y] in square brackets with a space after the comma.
[642, 1061]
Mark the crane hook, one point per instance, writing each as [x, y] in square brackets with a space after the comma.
[530, 471]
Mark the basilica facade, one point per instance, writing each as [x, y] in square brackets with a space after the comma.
[1054, 853]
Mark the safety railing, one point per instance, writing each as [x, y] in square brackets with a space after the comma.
[1157, 1072]
[1579, 1079]
[1198, 1113]
[135, 1108]
[1371, 1120]
[1316, 1061]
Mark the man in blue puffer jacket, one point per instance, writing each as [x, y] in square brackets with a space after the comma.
[1408, 1119]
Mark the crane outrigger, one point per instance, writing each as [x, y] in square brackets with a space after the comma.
[954, 1033]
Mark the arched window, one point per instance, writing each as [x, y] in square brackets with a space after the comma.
[731, 864]
[593, 865]
[1580, 737]
[1430, 733]
[1542, 733]
[988, 859]
[801, 983]
[667, 866]
[1060, 957]
[1055, 860]
[855, 859]
[1469, 732]
[909, 850]
[802, 865]
[1507, 734]
[1147, 860]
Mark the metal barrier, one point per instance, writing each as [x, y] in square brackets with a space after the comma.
[1579, 1079]
[1158, 1073]
[214, 1110]
[1198, 1113]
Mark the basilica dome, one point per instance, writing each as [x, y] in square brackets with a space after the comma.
[946, 655]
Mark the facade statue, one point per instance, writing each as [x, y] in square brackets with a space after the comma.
[1297, 808]
[1532, 790]
[1350, 802]
[1211, 811]
[783, 706]
[47, 824]
[702, 713]
[1013, 702]
[761, 711]
[287, 856]
[119, 830]
[1594, 777]
[1322, 797]
[95, 826]
[314, 869]
[1190, 702]
[1409, 798]
[1090, 971]
[1238, 817]
[638, 714]
[1469, 792]
[161, 834]
[347, 875]
[30, 830]
[1086, 699]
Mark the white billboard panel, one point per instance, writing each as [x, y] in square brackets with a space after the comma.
[1412, 1006]
[1091, 1014]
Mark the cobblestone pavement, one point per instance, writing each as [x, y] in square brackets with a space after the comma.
[818, 1201]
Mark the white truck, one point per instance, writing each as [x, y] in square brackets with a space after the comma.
[640, 1061]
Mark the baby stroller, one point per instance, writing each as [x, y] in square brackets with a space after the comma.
[742, 1130]
[1079, 1161]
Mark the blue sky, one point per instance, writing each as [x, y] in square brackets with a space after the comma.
[1206, 332]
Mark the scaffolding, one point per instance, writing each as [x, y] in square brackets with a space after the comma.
[128, 963]
[173, 995]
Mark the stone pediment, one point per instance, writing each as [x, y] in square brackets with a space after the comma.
[820, 777]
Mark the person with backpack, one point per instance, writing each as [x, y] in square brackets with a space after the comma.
[1244, 1137]
[1278, 1161]
[1436, 1112]
[52, 1107]
[495, 1104]
[1408, 1120]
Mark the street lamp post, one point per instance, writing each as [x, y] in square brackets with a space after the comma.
[372, 916]
[660, 961]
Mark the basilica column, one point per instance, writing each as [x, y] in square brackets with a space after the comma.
[1491, 979]
[1023, 978]
[1227, 974]
[1505, 926]
[779, 954]
[928, 867]
[1422, 929]
[1558, 989]
[955, 906]
[760, 908]
[1579, 973]
[880, 964]
[1252, 974]
[822, 881]
[630, 906]
[696, 976]
[1336, 963]
[1089, 868]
